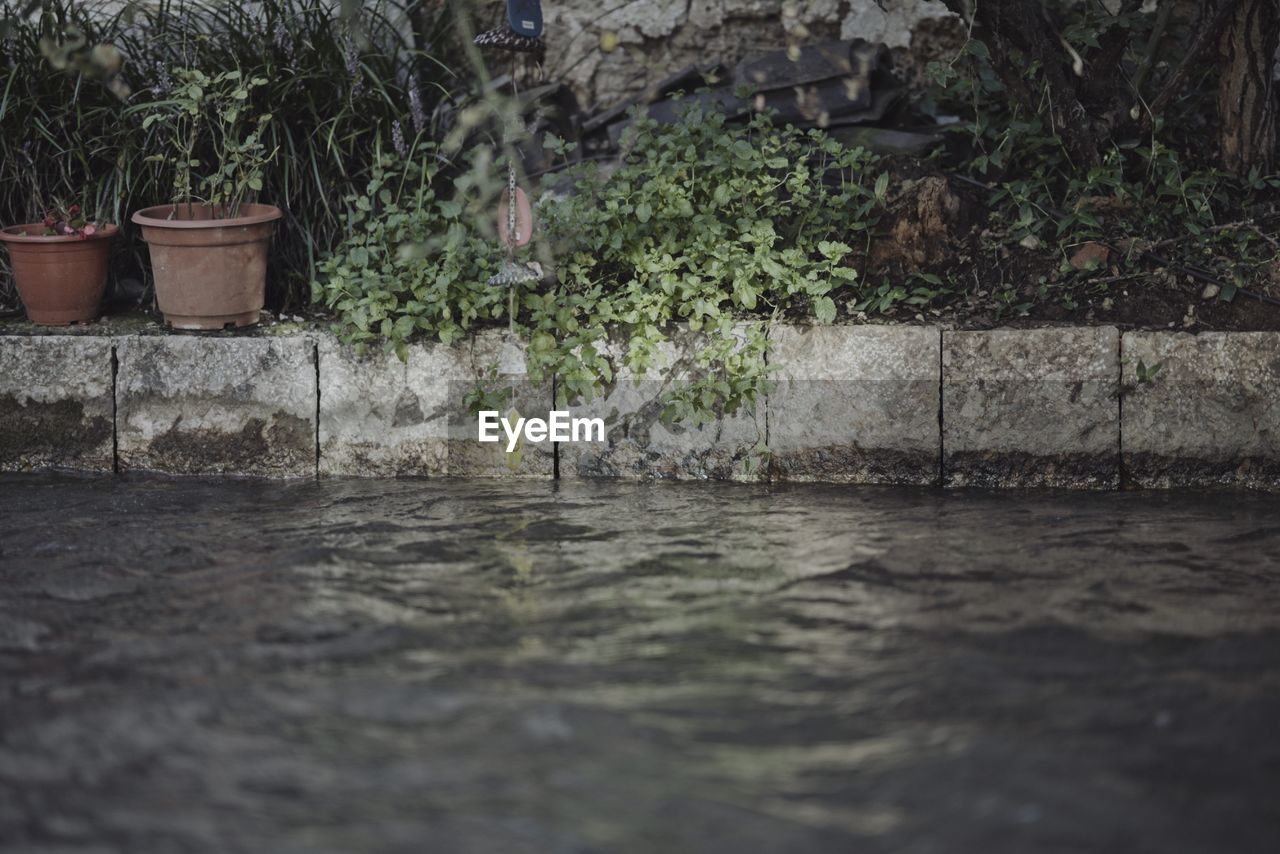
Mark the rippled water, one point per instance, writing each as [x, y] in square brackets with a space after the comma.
[220, 666]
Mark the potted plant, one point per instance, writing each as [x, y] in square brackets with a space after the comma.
[60, 265]
[209, 247]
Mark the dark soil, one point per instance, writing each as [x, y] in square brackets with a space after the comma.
[988, 283]
[1154, 299]
[1158, 303]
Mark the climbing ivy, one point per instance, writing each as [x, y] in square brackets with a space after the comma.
[699, 226]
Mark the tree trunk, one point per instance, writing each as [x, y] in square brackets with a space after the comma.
[1246, 93]
[1019, 36]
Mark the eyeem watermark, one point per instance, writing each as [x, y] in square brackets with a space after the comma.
[559, 426]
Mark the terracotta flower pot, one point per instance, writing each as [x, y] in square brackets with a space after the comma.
[210, 273]
[60, 278]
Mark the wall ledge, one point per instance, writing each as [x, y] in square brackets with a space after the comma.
[1064, 406]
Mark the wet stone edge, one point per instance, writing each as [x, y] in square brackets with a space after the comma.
[50, 429]
[1002, 469]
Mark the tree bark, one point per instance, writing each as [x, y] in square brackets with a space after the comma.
[1018, 35]
[1246, 92]
[1206, 31]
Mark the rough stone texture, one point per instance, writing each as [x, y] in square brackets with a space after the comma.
[855, 404]
[381, 417]
[497, 364]
[1210, 415]
[55, 403]
[658, 37]
[639, 446]
[1031, 407]
[204, 405]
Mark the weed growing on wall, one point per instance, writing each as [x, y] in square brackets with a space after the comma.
[703, 224]
[700, 226]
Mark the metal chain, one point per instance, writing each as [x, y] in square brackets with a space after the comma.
[512, 237]
[511, 162]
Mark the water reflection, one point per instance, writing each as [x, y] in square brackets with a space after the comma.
[400, 665]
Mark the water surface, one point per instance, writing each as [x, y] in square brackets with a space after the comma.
[214, 666]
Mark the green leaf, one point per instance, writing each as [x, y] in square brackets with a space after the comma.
[404, 326]
[882, 186]
[824, 309]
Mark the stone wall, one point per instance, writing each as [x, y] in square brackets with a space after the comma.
[608, 50]
[1076, 407]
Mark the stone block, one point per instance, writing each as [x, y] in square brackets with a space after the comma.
[497, 368]
[854, 404]
[383, 417]
[1208, 412]
[217, 405]
[638, 445]
[56, 403]
[1031, 407]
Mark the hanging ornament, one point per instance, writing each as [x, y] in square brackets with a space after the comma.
[516, 273]
[522, 221]
[515, 227]
[520, 32]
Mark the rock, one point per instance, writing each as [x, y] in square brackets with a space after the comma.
[56, 403]
[1209, 411]
[381, 417]
[856, 404]
[1030, 242]
[1031, 407]
[639, 446]
[1090, 256]
[217, 405]
[1210, 291]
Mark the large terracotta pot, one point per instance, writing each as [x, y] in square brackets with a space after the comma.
[210, 273]
[60, 278]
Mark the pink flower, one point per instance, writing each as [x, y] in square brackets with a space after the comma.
[88, 230]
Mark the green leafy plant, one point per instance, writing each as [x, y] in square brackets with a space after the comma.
[705, 229]
[1147, 373]
[411, 265]
[702, 225]
[212, 109]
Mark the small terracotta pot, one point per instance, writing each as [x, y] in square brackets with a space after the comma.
[210, 273]
[60, 278]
